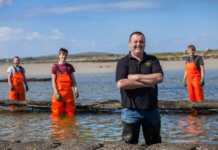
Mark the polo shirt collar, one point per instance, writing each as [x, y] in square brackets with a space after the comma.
[143, 58]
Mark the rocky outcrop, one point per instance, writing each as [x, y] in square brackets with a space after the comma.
[30, 145]
[30, 79]
[49, 145]
[79, 146]
[172, 146]
[205, 107]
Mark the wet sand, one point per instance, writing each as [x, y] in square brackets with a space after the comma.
[99, 67]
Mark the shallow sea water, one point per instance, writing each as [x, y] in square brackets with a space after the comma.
[106, 128]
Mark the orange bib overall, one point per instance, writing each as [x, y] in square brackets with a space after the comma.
[195, 91]
[67, 103]
[17, 82]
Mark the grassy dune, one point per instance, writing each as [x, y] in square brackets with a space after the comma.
[107, 57]
[180, 54]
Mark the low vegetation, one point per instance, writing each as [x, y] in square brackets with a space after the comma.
[107, 57]
[181, 54]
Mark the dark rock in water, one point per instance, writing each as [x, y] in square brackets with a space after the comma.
[205, 107]
[40, 145]
[4, 144]
[122, 146]
[172, 146]
[207, 147]
[31, 145]
[30, 79]
[79, 146]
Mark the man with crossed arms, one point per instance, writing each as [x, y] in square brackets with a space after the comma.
[137, 76]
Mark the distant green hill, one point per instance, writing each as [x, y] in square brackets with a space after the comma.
[107, 57]
[88, 56]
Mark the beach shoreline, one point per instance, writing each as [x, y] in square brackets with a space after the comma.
[34, 69]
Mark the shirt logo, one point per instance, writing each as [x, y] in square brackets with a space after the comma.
[148, 64]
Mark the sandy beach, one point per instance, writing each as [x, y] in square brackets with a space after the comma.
[99, 67]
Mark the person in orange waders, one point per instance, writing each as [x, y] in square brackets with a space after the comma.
[194, 74]
[16, 78]
[62, 82]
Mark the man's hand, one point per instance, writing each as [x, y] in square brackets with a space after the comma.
[27, 88]
[133, 77]
[184, 83]
[76, 94]
[201, 82]
[58, 97]
[12, 88]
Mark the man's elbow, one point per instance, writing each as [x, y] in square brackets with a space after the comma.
[160, 78]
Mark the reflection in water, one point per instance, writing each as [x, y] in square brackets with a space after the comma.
[14, 108]
[63, 127]
[19, 128]
[192, 126]
[103, 128]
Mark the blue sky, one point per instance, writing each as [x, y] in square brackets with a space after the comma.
[30, 28]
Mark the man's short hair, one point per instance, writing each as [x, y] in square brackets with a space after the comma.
[137, 33]
[16, 57]
[192, 47]
[63, 50]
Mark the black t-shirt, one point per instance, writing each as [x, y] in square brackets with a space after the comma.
[197, 60]
[140, 98]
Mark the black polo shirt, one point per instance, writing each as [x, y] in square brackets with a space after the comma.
[196, 59]
[140, 98]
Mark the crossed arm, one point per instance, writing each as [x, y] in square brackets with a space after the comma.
[134, 81]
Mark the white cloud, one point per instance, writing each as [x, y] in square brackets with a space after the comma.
[5, 2]
[56, 34]
[97, 7]
[30, 43]
[7, 33]
[33, 35]
[73, 41]
[10, 34]
[132, 5]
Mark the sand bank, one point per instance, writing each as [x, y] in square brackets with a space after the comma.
[99, 67]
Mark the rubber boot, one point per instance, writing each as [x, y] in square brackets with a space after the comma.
[152, 133]
[130, 133]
